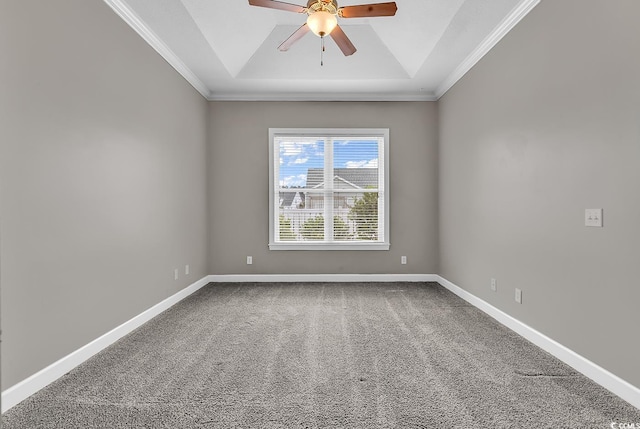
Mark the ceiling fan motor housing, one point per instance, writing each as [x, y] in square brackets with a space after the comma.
[330, 6]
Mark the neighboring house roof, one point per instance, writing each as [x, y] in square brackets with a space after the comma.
[339, 183]
[287, 198]
[359, 177]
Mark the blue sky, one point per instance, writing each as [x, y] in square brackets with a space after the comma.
[299, 155]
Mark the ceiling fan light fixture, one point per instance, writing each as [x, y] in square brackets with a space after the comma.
[322, 23]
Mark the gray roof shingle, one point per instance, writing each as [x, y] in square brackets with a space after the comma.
[361, 177]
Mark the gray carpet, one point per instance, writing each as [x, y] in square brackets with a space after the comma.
[365, 355]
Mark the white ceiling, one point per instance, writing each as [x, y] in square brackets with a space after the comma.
[227, 49]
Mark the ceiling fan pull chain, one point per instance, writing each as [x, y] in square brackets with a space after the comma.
[322, 51]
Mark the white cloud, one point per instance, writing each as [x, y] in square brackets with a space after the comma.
[362, 164]
[300, 160]
[299, 180]
[294, 148]
[355, 164]
[290, 148]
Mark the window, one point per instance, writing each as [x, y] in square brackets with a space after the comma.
[328, 189]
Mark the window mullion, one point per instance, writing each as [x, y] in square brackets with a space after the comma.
[328, 189]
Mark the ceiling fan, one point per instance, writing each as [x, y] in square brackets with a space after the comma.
[322, 19]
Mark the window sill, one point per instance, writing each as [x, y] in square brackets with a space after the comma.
[328, 246]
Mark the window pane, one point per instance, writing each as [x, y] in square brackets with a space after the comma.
[300, 157]
[301, 217]
[355, 163]
[356, 174]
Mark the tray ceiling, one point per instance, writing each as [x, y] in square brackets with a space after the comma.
[227, 49]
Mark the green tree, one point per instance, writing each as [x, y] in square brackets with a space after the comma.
[365, 214]
[313, 228]
[286, 232]
[340, 229]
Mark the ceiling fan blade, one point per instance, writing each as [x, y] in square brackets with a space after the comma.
[297, 35]
[368, 10]
[342, 41]
[273, 4]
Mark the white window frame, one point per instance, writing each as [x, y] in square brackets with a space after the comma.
[328, 132]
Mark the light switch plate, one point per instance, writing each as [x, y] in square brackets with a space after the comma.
[593, 217]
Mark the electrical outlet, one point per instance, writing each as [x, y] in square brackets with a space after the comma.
[518, 296]
[186, 270]
[249, 260]
[494, 285]
[403, 260]
[175, 274]
[593, 217]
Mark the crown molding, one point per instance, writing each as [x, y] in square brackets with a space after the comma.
[134, 21]
[321, 96]
[505, 26]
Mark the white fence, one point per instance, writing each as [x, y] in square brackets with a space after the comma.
[298, 217]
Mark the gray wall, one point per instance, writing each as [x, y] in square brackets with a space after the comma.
[239, 186]
[105, 170]
[546, 125]
[102, 179]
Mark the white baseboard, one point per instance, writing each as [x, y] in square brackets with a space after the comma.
[37, 381]
[27, 387]
[604, 378]
[289, 278]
